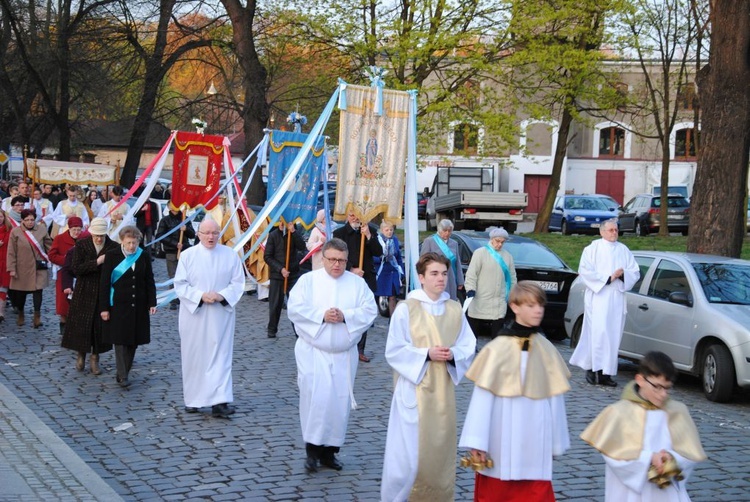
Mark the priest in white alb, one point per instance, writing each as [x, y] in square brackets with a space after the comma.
[430, 346]
[330, 309]
[209, 282]
[608, 269]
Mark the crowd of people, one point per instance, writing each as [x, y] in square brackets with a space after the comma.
[516, 421]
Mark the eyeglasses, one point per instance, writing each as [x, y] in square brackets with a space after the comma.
[659, 387]
[336, 261]
[210, 233]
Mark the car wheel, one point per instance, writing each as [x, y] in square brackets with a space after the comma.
[575, 334]
[684, 232]
[556, 334]
[718, 373]
[383, 306]
[564, 228]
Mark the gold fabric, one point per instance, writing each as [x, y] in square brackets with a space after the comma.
[69, 211]
[618, 430]
[255, 263]
[497, 368]
[436, 402]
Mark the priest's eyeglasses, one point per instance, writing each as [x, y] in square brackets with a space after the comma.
[337, 261]
[659, 387]
[210, 233]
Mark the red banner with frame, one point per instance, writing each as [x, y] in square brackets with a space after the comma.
[196, 171]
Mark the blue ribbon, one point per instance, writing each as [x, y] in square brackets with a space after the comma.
[119, 271]
[506, 272]
[448, 254]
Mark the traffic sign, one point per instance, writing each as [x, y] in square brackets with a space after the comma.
[3, 158]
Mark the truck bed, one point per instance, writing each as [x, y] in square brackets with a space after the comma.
[481, 200]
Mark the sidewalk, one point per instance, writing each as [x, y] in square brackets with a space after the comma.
[35, 464]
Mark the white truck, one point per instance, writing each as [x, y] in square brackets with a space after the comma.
[471, 199]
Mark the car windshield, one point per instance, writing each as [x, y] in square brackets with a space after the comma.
[671, 202]
[585, 203]
[527, 254]
[725, 282]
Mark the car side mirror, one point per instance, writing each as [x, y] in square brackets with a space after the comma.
[680, 298]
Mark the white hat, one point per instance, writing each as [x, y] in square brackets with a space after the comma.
[98, 226]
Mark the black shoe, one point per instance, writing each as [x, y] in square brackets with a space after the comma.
[222, 410]
[173, 306]
[331, 462]
[311, 464]
[271, 334]
[123, 383]
[591, 377]
[607, 381]
[263, 300]
[190, 409]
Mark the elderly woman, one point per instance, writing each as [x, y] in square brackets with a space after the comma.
[489, 279]
[5, 229]
[63, 243]
[317, 239]
[83, 331]
[442, 244]
[389, 267]
[28, 264]
[127, 296]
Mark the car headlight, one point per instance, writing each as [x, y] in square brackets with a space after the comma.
[579, 218]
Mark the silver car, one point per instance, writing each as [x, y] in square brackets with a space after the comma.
[695, 308]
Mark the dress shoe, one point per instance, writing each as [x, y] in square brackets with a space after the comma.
[331, 462]
[364, 358]
[591, 377]
[124, 383]
[21, 319]
[37, 319]
[190, 409]
[606, 380]
[311, 464]
[173, 306]
[80, 361]
[271, 334]
[94, 364]
[222, 410]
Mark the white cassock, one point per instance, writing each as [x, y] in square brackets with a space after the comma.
[410, 363]
[65, 209]
[207, 330]
[627, 480]
[520, 434]
[327, 354]
[604, 304]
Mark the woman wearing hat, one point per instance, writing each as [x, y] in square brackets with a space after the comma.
[83, 329]
[28, 264]
[63, 243]
[488, 281]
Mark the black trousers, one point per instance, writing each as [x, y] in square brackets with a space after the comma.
[124, 355]
[485, 327]
[321, 452]
[276, 301]
[361, 343]
[18, 299]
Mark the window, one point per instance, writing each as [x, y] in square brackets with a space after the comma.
[644, 263]
[465, 139]
[684, 146]
[686, 98]
[612, 142]
[669, 278]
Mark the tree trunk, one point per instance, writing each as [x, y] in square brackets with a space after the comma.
[542, 220]
[717, 214]
[663, 202]
[255, 110]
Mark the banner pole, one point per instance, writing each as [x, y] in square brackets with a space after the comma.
[361, 249]
[182, 234]
[288, 251]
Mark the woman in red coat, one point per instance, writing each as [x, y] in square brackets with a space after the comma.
[63, 243]
[5, 229]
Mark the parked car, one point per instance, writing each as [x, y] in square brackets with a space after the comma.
[535, 262]
[581, 213]
[693, 307]
[641, 214]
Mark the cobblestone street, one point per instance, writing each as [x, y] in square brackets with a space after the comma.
[145, 447]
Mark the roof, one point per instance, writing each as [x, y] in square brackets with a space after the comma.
[99, 133]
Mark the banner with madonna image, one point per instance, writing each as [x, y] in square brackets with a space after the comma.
[372, 153]
[284, 148]
[197, 168]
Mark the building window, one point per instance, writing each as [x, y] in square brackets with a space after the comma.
[686, 98]
[612, 142]
[465, 139]
[684, 147]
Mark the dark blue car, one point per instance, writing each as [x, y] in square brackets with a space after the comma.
[582, 214]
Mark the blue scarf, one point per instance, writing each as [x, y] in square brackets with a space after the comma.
[389, 255]
[448, 254]
[506, 272]
[119, 271]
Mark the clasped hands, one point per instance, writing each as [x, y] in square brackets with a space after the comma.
[333, 315]
[616, 274]
[212, 297]
[438, 353]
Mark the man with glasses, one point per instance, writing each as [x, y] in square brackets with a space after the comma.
[209, 282]
[649, 442]
[608, 269]
[331, 309]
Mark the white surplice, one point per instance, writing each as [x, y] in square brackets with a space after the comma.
[520, 434]
[207, 330]
[627, 481]
[410, 363]
[63, 211]
[604, 304]
[326, 353]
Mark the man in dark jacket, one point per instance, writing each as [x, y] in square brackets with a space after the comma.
[177, 241]
[351, 233]
[275, 257]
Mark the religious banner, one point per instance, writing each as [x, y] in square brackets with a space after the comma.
[303, 206]
[372, 153]
[196, 172]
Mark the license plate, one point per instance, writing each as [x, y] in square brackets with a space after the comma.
[548, 286]
[596, 225]
[675, 216]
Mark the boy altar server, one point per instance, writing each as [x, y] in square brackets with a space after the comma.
[516, 416]
[430, 346]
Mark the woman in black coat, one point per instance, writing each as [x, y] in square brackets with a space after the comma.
[127, 297]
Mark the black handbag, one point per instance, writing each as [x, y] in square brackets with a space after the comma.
[42, 265]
